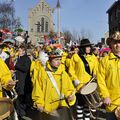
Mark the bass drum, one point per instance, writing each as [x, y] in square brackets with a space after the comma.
[6, 108]
[62, 113]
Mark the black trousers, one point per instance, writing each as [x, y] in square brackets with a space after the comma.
[110, 116]
[22, 103]
[64, 113]
[20, 106]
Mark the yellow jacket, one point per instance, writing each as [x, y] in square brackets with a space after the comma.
[77, 69]
[64, 55]
[34, 70]
[5, 76]
[44, 94]
[109, 79]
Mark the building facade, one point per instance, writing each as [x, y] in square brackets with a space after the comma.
[114, 17]
[40, 22]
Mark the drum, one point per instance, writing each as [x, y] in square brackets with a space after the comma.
[117, 113]
[6, 108]
[91, 95]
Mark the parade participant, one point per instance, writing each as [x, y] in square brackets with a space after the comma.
[37, 64]
[24, 85]
[53, 88]
[90, 62]
[3, 54]
[37, 50]
[109, 76]
[96, 52]
[5, 78]
[82, 68]
[10, 63]
[105, 51]
[72, 62]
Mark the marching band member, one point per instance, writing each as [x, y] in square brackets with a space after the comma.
[53, 88]
[90, 62]
[5, 78]
[82, 68]
[109, 77]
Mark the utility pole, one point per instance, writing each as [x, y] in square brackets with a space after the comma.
[58, 20]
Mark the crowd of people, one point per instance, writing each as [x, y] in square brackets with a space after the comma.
[45, 82]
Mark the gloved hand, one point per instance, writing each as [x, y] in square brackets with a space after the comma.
[76, 83]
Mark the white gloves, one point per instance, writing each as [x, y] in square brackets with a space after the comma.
[76, 83]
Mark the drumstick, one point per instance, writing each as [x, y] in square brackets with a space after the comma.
[114, 104]
[57, 100]
[91, 79]
[64, 98]
[115, 99]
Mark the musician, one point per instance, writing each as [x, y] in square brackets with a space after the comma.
[53, 88]
[109, 76]
[5, 78]
[83, 67]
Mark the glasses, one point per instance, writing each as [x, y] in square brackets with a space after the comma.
[116, 41]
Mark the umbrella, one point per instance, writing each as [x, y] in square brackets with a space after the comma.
[9, 40]
[19, 39]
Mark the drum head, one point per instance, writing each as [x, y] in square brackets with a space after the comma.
[5, 106]
[89, 88]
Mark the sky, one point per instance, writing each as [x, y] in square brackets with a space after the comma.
[78, 16]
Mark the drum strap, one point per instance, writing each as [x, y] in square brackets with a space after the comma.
[54, 84]
[87, 67]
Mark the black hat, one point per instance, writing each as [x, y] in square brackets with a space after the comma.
[85, 42]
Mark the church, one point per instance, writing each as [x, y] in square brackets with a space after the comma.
[40, 21]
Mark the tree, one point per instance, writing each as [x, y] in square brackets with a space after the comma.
[7, 13]
[75, 36]
[85, 34]
[67, 36]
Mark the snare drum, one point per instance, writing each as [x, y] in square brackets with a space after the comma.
[6, 108]
[91, 95]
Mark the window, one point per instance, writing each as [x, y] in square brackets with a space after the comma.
[42, 6]
[31, 30]
[46, 27]
[38, 27]
[42, 24]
